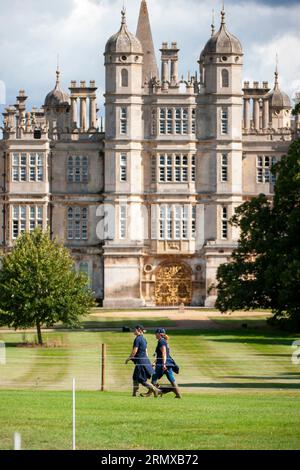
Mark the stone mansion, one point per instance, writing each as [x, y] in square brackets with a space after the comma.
[144, 206]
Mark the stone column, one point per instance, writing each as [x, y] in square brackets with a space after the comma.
[73, 111]
[266, 113]
[256, 113]
[247, 113]
[164, 70]
[83, 113]
[174, 70]
[93, 112]
[11, 114]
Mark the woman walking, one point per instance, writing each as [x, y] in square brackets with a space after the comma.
[164, 364]
[143, 369]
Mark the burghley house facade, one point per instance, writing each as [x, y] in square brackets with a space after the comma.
[144, 206]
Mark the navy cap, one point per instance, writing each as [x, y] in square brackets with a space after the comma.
[139, 327]
[161, 331]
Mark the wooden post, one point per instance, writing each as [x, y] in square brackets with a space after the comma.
[103, 367]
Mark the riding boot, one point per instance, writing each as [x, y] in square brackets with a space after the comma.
[135, 388]
[176, 390]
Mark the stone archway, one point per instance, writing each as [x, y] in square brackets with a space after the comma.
[173, 285]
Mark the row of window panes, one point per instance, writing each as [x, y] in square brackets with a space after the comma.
[224, 167]
[176, 121]
[123, 121]
[224, 121]
[123, 167]
[224, 223]
[263, 169]
[175, 168]
[28, 167]
[20, 221]
[123, 222]
[77, 223]
[175, 222]
[84, 268]
[78, 169]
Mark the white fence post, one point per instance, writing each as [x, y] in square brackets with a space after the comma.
[17, 441]
[74, 414]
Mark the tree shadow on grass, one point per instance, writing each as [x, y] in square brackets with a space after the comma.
[261, 377]
[237, 385]
[292, 373]
[272, 341]
[242, 337]
[269, 355]
[116, 324]
[17, 345]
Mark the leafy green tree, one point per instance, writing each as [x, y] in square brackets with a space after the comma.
[39, 286]
[264, 271]
[296, 110]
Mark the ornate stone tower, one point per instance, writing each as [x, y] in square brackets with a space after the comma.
[280, 106]
[219, 136]
[123, 167]
[57, 108]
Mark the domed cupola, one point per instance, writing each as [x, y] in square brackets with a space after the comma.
[222, 42]
[277, 98]
[57, 97]
[123, 41]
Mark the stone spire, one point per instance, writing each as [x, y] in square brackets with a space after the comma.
[144, 34]
[213, 22]
[223, 17]
[123, 15]
[57, 85]
[276, 86]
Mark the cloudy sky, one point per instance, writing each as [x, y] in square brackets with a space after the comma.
[33, 32]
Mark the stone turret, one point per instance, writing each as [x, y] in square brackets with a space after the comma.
[57, 97]
[57, 107]
[219, 135]
[123, 165]
[280, 106]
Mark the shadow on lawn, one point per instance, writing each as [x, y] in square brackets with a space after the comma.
[116, 324]
[264, 377]
[271, 340]
[237, 385]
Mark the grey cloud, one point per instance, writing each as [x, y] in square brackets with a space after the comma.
[33, 32]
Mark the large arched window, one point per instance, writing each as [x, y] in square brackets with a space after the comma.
[225, 78]
[124, 78]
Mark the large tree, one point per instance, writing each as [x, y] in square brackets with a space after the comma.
[296, 110]
[39, 286]
[264, 271]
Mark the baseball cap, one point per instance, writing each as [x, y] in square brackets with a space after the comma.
[139, 327]
[160, 331]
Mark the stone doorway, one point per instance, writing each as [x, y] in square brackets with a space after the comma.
[173, 285]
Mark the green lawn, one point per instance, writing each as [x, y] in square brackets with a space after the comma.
[117, 421]
[102, 321]
[240, 390]
[218, 359]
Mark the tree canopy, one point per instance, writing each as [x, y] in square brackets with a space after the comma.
[39, 285]
[264, 271]
[296, 109]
